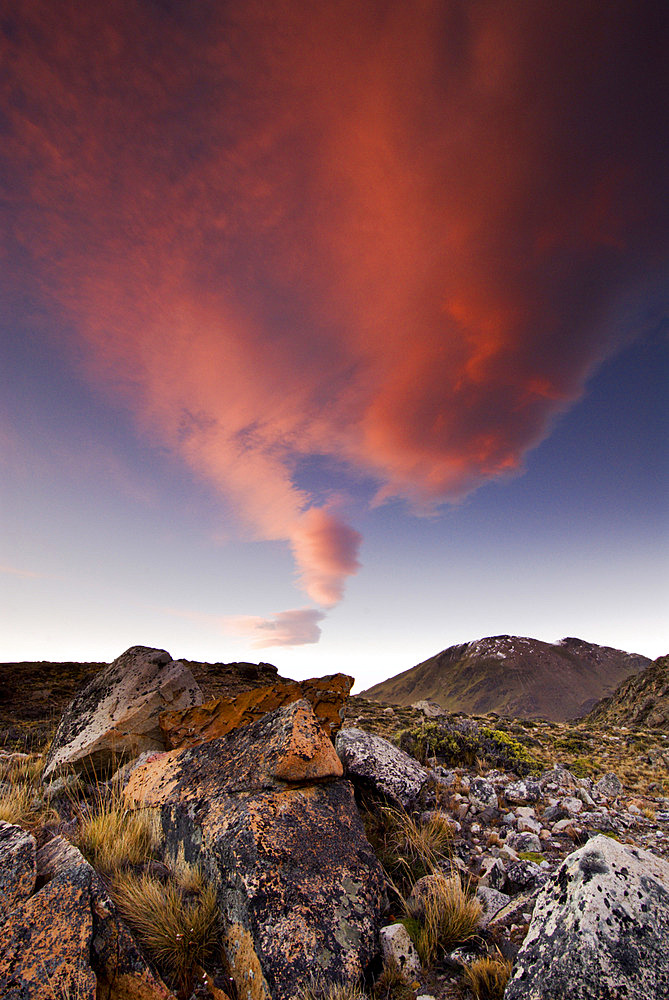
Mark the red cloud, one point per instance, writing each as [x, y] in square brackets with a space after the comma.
[394, 236]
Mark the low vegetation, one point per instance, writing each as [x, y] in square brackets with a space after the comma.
[407, 845]
[112, 837]
[486, 978]
[448, 915]
[464, 742]
[177, 926]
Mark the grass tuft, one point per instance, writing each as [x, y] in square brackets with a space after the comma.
[22, 799]
[393, 983]
[487, 977]
[111, 836]
[408, 847]
[315, 989]
[177, 928]
[448, 915]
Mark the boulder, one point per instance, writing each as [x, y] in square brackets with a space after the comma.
[375, 763]
[482, 795]
[116, 716]
[193, 726]
[600, 929]
[264, 811]
[429, 708]
[17, 866]
[398, 948]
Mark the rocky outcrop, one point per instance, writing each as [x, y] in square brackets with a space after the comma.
[65, 939]
[380, 765]
[116, 716]
[193, 726]
[600, 929]
[264, 811]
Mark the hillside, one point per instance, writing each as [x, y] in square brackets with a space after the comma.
[641, 700]
[513, 676]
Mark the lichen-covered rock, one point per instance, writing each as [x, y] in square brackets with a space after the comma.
[375, 762]
[120, 969]
[116, 716]
[482, 795]
[600, 929]
[46, 941]
[192, 726]
[17, 866]
[299, 887]
[429, 708]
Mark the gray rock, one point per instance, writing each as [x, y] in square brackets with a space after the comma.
[610, 786]
[526, 824]
[17, 866]
[523, 876]
[493, 873]
[115, 717]
[379, 764]
[558, 779]
[524, 842]
[397, 946]
[492, 901]
[600, 929]
[572, 805]
[429, 708]
[519, 792]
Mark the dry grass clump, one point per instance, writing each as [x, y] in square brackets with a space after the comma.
[487, 977]
[177, 927]
[315, 989]
[393, 983]
[448, 916]
[21, 795]
[111, 836]
[407, 846]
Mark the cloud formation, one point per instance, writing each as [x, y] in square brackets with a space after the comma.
[298, 627]
[398, 237]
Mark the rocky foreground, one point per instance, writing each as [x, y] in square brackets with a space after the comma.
[319, 829]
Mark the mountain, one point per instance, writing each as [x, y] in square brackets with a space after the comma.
[519, 677]
[641, 700]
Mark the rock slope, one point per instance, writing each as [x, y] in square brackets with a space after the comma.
[641, 700]
[513, 676]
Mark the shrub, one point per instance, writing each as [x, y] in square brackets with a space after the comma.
[464, 742]
[487, 977]
[177, 928]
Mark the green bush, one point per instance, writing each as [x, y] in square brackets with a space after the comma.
[463, 742]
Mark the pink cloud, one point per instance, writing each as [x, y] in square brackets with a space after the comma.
[387, 236]
[298, 627]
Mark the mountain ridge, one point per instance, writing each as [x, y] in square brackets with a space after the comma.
[514, 676]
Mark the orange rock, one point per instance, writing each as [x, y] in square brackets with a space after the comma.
[287, 746]
[201, 723]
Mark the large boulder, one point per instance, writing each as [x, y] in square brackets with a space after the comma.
[264, 811]
[600, 929]
[375, 763]
[192, 726]
[116, 716]
[17, 866]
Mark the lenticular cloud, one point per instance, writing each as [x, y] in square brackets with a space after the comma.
[397, 237]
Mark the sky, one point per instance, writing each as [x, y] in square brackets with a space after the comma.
[332, 334]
